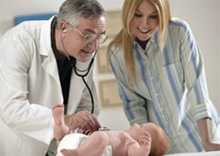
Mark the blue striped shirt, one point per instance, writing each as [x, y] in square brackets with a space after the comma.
[170, 87]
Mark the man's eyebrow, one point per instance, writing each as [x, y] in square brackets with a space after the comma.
[154, 12]
[89, 31]
[104, 32]
[92, 31]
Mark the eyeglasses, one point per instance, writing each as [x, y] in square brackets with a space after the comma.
[90, 37]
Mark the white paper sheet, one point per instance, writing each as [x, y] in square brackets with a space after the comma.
[217, 153]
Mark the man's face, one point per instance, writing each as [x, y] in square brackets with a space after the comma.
[83, 40]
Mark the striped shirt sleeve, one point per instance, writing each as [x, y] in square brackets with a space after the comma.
[195, 79]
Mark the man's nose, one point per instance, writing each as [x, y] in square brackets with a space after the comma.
[93, 45]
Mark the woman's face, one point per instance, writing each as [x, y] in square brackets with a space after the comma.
[145, 21]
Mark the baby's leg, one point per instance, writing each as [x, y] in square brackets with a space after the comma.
[60, 129]
[141, 146]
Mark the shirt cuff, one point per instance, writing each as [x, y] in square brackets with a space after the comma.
[201, 111]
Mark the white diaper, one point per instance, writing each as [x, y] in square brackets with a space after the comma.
[73, 140]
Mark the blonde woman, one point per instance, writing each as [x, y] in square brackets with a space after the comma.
[161, 77]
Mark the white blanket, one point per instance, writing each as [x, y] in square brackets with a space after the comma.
[217, 153]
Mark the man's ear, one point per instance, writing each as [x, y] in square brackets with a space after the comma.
[62, 26]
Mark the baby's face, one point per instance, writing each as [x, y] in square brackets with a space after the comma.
[137, 130]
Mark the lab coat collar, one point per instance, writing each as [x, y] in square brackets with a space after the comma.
[48, 60]
[45, 39]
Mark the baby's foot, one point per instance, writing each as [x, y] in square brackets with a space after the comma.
[60, 129]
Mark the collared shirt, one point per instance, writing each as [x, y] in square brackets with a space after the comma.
[170, 87]
[64, 65]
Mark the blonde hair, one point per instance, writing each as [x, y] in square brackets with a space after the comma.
[124, 38]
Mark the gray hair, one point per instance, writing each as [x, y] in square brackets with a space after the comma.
[70, 10]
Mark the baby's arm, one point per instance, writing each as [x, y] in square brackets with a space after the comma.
[123, 144]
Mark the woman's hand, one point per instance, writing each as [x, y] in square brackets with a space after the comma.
[204, 129]
[212, 146]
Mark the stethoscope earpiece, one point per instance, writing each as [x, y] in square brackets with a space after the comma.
[64, 30]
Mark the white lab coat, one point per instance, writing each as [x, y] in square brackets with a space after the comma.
[29, 87]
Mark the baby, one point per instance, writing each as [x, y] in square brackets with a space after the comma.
[138, 140]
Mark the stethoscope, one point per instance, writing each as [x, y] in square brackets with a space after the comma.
[79, 72]
[83, 73]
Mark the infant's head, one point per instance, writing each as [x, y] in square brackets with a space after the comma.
[160, 141]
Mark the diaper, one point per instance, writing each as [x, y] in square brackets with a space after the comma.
[73, 140]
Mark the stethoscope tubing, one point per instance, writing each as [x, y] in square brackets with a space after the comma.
[84, 81]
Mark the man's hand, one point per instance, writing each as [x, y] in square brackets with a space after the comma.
[84, 121]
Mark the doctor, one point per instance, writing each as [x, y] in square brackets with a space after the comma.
[36, 72]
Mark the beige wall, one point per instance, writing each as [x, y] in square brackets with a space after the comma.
[203, 16]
